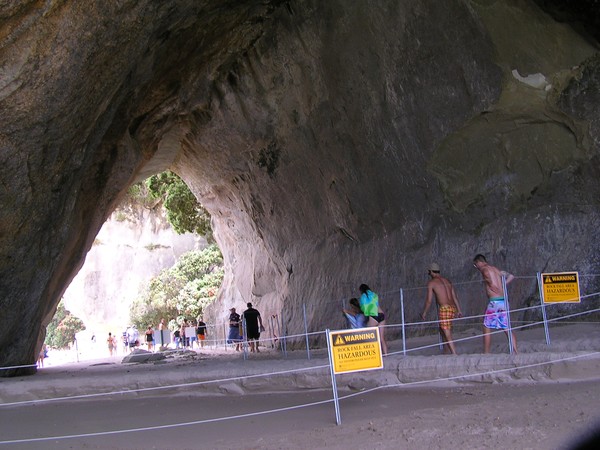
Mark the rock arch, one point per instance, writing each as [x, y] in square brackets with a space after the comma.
[332, 143]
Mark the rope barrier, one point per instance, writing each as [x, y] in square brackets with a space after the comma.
[416, 288]
[18, 367]
[68, 398]
[162, 427]
[493, 332]
[198, 383]
[526, 324]
[390, 326]
[435, 322]
[463, 283]
[158, 388]
[472, 375]
[294, 407]
[511, 311]
[456, 319]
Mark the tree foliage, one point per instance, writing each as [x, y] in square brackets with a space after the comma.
[182, 291]
[184, 212]
[60, 332]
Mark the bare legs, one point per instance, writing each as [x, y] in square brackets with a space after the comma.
[253, 343]
[448, 343]
[487, 340]
[373, 323]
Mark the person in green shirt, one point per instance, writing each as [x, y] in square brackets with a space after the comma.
[369, 304]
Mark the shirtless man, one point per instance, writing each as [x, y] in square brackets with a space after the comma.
[495, 314]
[447, 301]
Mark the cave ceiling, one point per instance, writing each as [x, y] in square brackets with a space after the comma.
[333, 143]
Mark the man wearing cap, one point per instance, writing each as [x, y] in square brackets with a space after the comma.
[448, 306]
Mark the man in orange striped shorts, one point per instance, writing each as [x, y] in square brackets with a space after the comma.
[447, 301]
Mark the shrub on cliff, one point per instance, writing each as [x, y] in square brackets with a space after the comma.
[183, 290]
[184, 212]
[60, 332]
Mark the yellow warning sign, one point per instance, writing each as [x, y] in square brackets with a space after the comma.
[561, 287]
[355, 350]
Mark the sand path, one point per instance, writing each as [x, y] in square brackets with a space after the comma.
[538, 399]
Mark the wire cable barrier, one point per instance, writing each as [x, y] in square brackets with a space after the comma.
[290, 408]
[279, 373]
[431, 322]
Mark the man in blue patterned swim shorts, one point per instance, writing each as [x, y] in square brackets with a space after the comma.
[495, 313]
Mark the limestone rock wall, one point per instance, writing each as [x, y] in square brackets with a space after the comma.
[375, 153]
[334, 143]
[128, 251]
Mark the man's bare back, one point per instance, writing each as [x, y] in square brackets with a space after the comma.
[449, 308]
[443, 291]
[442, 288]
[493, 280]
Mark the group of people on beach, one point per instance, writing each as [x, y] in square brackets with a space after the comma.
[188, 333]
[162, 335]
[366, 311]
[182, 338]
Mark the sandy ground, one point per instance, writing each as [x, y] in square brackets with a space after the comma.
[543, 398]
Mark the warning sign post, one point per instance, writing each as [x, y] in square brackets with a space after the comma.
[560, 287]
[352, 351]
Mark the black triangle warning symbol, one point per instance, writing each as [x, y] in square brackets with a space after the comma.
[339, 340]
[548, 280]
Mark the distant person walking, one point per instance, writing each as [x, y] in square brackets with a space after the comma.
[124, 341]
[369, 304]
[162, 328]
[184, 335]
[254, 326]
[448, 306]
[43, 354]
[150, 338]
[112, 344]
[496, 317]
[177, 338]
[201, 332]
[132, 337]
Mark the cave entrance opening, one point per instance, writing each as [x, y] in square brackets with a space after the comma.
[154, 258]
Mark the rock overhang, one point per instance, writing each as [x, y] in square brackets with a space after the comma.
[330, 143]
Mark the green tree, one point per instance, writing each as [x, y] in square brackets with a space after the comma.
[184, 212]
[199, 293]
[183, 290]
[60, 332]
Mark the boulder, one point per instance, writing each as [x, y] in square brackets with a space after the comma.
[142, 356]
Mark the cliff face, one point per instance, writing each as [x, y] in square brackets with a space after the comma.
[333, 143]
[129, 250]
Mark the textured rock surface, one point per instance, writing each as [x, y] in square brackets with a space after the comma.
[132, 246]
[333, 143]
